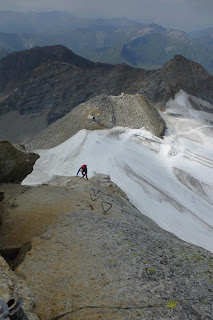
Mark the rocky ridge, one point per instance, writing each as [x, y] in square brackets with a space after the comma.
[18, 66]
[179, 73]
[101, 112]
[54, 89]
[58, 83]
[106, 259]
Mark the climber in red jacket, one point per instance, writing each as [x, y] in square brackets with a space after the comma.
[83, 170]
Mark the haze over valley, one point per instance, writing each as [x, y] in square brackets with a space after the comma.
[115, 40]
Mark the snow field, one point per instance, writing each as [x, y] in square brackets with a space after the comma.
[169, 180]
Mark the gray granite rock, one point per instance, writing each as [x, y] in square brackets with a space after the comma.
[15, 162]
[102, 112]
[95, 256]
[108, 261]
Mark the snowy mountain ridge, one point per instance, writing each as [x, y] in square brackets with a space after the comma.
[41, 85]
[168, 180]
[102, 112]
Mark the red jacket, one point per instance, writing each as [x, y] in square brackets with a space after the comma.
[84, 167]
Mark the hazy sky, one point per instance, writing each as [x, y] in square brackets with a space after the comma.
[181, 14]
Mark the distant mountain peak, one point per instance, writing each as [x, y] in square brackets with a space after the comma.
[185, 64]
[157, 27]
[18, 66]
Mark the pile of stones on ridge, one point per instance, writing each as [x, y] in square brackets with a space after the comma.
[80, 250]
[102, 112]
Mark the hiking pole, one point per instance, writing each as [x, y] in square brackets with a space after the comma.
[15, 310]
[4, 312]
[12, 310]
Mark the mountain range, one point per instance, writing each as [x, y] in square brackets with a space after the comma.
[46, 83]
[104, 40]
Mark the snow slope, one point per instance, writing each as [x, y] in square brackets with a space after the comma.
[169, 180]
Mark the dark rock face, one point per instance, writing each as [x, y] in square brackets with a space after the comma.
[18, 66]
[179, 73]
[57, 88]
[1, 196]
[15, 163]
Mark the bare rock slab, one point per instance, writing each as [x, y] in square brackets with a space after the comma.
[28, 211]
[118, 265]
[93, 255]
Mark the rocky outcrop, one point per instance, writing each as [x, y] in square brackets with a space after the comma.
[107, 260]
[15, 162]
[12, 287]
[179, 73]
[102, 112]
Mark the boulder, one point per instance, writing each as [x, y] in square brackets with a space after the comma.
[15, 162]
[105, 260]
[13, 287]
